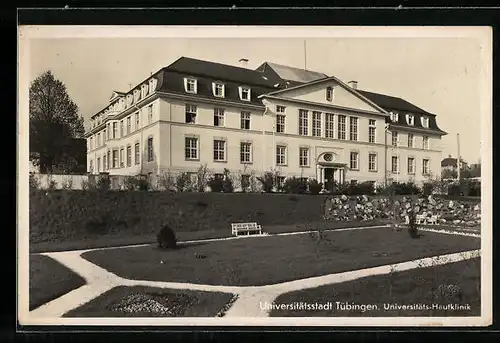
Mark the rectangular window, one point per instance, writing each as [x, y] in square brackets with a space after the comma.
[245, 93]
[280, 123]
[280, 182]
[316, 124]
[281, 155]
[104, 136]
[354, 160]
[191, 85]
[98, 164]
[115, 158]
[329, 125]
[341, 127]
[395, 164]
[304, 157]
[191, 111]
[353, 128]
[425, 167]
[411, 165]
[372, 162]
[137, 121]
[122, 160]
[104, 163]
[91, 141]
[245, 152]
[329, 93]
[425, 122]
[371, 130]
[280, 109]
[218, 117]
[129, 156]
[410, 119]
[99, 139]
[150, 114]
[121, 128]
[129, 125]
[410, 140]
[219, 90]
[303, 123]
[115, 128]
[425, 142]
[245, 120]
[191, 148]
[91, 166]
[150, 149]
[137, 153]
[109, 160]
[395, 138]
[109, 131]
[219, 150]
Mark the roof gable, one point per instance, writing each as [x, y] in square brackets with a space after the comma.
[292, 74]
[115, 95]
[343, 95]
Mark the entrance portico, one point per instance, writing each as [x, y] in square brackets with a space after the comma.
[328, 170]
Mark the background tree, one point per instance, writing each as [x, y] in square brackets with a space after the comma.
[54, 122]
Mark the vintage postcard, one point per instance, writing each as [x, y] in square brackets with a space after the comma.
[258, 176]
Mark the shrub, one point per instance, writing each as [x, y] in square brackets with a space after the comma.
[52, 183]
[67, 183]
[267, 181]
[165, 181]
[412, 227]
[295, 185]
[182, 182]
[216, 183]
[103, 183]
[166, 238]
[454, 189]
[33, 181]
[363, 188]
[130, 183]
[427, 188]
[405, 188]
[144, 184]
[85, 184]
[315, 187]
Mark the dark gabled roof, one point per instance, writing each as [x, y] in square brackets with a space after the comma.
[222, 72]
[392, 103]
[449, 162]
[173, 82]
[403, 107]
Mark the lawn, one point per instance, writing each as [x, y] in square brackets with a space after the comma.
[49, 280]
[131, 238]
[411, 287]
[139, 301]
[273, 259]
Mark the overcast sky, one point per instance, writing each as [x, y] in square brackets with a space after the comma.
[440, 75]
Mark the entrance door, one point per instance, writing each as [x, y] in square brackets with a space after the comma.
[329, 179]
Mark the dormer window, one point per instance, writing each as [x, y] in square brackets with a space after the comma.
[410, 119]
[425, 122]
[137, 95]
[190, 85]
[329, 93]
[245, 93]
[218, 89]
[394, 116]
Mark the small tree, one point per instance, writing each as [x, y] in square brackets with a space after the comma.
[202, 178]
[130, 183]
[267, 180]
[216, 183]
[227, 182]
[165, 180]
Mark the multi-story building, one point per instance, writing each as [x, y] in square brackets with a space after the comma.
[298, 122]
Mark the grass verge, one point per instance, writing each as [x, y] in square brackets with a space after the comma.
[417, 287]
[177, 303]
[274, 259]
[49, 280]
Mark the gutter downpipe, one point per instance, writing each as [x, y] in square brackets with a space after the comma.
[264, 139]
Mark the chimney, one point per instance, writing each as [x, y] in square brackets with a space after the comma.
[243, 63]
[353, 84]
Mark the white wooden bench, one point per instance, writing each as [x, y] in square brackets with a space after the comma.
[432, 220]
[237, 228]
